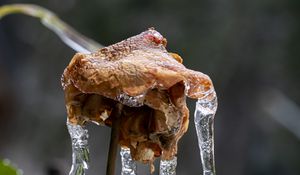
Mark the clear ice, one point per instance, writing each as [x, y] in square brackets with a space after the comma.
[204, 119]
[132, 101]
[128, 165]
[168, 167]
[80, 152]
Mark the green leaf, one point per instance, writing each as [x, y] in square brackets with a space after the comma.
[7, 169]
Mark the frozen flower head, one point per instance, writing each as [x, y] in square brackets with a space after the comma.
[151, 83]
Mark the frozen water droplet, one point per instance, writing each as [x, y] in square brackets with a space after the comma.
[187, 87]
[80, 152]
[97, 123]
[132, 101]
[168, 167]
[128, 165]
[204, 119]
[65, 82]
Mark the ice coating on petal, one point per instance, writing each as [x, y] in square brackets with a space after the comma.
[132, 101]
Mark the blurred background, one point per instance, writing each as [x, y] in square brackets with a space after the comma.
[250, 49]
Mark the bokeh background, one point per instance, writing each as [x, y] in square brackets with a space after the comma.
[250, 49]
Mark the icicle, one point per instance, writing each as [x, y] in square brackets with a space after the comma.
[168, 167]
[128, 165]
[80, 151]
[204, 119]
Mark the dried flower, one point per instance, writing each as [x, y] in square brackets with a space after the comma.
[152, 84]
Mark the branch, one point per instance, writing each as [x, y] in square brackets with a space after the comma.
[114, 139]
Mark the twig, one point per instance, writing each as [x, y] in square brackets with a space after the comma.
[66, 33]
[114, 138]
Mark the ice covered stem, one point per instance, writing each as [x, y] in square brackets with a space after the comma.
[168, 167]
[80, 152]
[204, 119]
[66, 33]
[128, 165]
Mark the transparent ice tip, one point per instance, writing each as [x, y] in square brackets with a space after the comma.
[168, 167]
[128, 165]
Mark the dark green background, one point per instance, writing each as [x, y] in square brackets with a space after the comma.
[250, 49]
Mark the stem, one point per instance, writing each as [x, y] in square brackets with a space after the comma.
[114, 139]
[66, 33]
